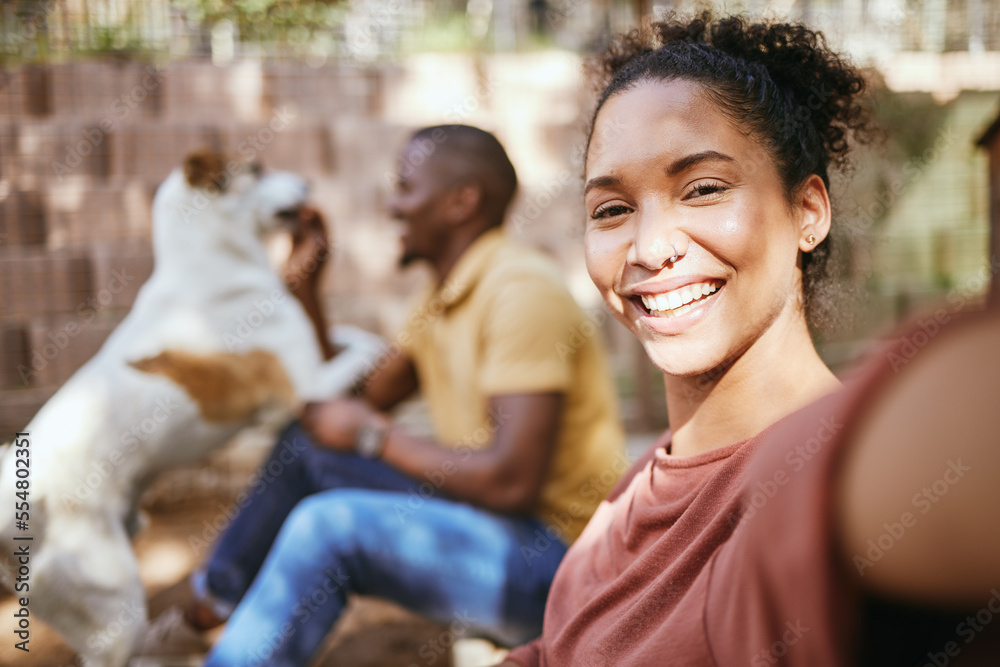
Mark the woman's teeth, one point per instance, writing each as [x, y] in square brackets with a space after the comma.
[679, 301]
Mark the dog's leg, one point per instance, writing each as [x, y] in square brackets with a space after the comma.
[89, 589]
[359, 354]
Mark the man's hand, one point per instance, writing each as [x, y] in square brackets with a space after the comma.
[335, 423]
[310, 250]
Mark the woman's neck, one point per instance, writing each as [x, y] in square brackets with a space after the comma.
[779, 374]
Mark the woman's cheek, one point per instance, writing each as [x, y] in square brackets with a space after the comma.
[605, 256]
[735, 231]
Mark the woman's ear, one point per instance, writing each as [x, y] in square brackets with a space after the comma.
[813, 203]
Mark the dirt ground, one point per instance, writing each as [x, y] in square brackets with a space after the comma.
[372, 633]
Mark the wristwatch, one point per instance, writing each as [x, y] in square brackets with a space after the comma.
[370, 440]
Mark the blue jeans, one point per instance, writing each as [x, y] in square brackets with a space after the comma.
[342, 524]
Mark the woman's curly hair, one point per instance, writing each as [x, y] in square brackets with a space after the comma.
[778, 81]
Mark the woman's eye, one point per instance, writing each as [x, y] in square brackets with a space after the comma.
[706, 190]
[611, 211]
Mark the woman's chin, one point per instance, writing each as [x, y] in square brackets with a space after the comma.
[682, 360]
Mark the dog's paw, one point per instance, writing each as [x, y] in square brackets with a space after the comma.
[359, 351]
[356, 339]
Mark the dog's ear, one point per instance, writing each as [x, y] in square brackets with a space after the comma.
[206, 169]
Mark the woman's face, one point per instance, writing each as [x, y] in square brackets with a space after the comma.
[689, 236]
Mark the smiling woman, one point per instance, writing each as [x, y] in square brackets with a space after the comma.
[732, 541]
[707, 229]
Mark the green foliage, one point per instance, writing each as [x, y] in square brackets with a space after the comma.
[34, 31]
[445, 32]
[268, 21]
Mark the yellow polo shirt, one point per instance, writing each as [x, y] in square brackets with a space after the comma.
[503, 322]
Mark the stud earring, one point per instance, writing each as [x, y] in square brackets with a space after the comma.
[811, 239]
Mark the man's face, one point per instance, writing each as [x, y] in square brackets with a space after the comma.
[418, 202]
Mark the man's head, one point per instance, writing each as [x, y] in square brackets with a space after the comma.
[453, 179]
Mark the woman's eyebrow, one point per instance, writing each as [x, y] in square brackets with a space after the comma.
[601, 181]
[688, 161]
[676, 167]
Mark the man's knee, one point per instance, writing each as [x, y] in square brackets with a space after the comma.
[331, 516]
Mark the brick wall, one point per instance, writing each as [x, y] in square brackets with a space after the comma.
[83, 147]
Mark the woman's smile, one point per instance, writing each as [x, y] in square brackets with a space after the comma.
[669, 307]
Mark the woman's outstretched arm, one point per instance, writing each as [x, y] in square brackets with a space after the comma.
[922, 476]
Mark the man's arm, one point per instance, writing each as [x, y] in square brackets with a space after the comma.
[310, 251]
[392, 384]
[925, 460]
[506, 476]
[397, 378]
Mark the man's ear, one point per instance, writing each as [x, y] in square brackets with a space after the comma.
[464, 202]
[813, 203]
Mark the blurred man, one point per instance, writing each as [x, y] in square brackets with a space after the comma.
[468, 527]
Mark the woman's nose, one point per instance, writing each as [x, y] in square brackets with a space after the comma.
[658, 240]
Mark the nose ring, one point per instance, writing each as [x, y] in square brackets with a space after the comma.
[674, 258]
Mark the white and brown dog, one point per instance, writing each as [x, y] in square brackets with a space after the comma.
[213, 343]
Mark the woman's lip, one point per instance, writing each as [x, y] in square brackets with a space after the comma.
[674, 325]
[654, 287]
